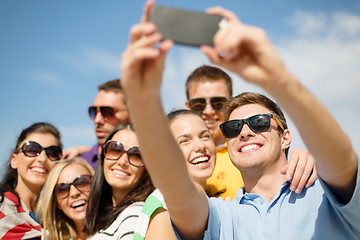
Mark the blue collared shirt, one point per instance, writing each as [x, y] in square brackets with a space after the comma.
[315, 213]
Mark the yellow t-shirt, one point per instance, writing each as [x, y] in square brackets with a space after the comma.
[225, 176]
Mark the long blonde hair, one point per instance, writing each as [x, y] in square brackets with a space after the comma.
[53, 220]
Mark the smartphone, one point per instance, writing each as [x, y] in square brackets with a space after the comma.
[184, 26]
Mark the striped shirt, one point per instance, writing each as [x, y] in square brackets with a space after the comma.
[152, 203]
[124, 225]
[16, 221]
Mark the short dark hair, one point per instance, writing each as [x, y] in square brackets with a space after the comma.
[112, 85]
[178, 112]
[208, 73]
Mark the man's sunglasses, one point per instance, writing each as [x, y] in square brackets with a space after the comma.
[107, 112]
[113, 150]
[199, 104]
[257, 123]
[81, 183]
[33, 149]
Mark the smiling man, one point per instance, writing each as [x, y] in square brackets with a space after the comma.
[207, 90]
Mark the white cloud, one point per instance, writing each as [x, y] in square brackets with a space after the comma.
[325, 57]
[90, 59]
[46, 77]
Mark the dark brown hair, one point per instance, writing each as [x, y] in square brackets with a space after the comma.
[208, 73]
[111, 86]
[100, 212]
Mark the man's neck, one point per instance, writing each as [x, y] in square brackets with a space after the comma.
[264, 182]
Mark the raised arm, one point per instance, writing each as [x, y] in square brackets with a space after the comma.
[246, 51]
[142, 67]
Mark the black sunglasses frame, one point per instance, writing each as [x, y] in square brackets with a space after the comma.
[122, 151]
[47, 149]
[230, 131]
[213, 103]
[73, 183]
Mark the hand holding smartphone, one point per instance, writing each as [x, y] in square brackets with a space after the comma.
[186, 27]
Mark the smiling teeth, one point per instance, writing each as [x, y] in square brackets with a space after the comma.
[120, 172]
[200, 159]
[39, 170]
[250, 147]
[78, 203]
[209, 122]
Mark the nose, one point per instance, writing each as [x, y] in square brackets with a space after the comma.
[42, 157]
[123, 160]
[73, 192]
[246, 131]
[199, 145]
[208, 109]
[99, 118]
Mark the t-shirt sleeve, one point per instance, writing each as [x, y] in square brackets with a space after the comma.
[349, 211]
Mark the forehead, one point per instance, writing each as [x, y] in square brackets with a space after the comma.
[248, 111]
[72, 171]
[206, 89]
[109, 98]
[187, 124]
[127, 137]
[44, 139]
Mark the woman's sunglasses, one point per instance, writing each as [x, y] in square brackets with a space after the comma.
[81, 183]
[199, 104]
[107, 112]
[113, 150]
[257, 123]
[33, 149]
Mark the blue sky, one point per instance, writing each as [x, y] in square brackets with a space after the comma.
[54, 54]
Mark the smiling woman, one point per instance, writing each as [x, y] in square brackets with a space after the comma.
[37, 150]
[120, 187]
[62, 208]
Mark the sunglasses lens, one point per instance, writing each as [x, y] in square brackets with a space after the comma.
[32, 149]
[231, 128]
[107, 112]
[113, 150]
[61, 190]
[82, 183]
[197, 104]
[218, 103]
[260, 123]
[92, 112]
[135, 157]
[54, 153]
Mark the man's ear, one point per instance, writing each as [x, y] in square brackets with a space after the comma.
[187, 106]
[13, 161]
[285, 139]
